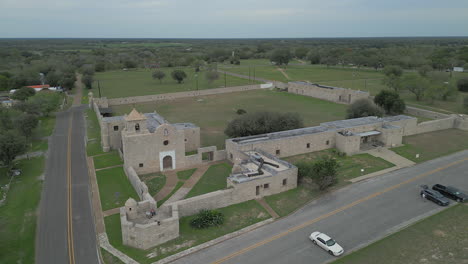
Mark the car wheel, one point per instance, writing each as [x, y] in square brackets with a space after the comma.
[331, 253]
[315, 242]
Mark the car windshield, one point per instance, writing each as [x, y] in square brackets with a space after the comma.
[330, 242]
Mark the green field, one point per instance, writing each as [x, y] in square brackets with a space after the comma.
[186, 174]
[236, 217]
[438, 239]
[154, 181]
[107, 160]
[212, 113]
[114, 188]
[444, 142]
[116, 84]
[93, 146]
[214, 179]
[18, 216]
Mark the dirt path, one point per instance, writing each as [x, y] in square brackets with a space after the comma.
[171, 181]
[79, 91]
[284, 73]
[267, 207]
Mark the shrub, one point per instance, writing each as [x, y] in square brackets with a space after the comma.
[363, 108]
[241, 111]
[207, 218]
[390, 101]
[178, 75]
[462, 84]
[324, 172]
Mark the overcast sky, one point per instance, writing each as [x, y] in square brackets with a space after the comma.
[232, 19]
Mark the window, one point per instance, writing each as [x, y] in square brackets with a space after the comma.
[285, 181]
[137, 127]
[278, 152]
[166, 132]
[166, 142]
[140, 165]
[266, 185]
[328, 142]
[230, 155]
[116, 128]
[185, 140]
[308, 145]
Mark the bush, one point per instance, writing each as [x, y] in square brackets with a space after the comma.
[178, 75]
[261, 123]
[390, 101]
[23, 93]
[462, 84]
[363, 108]
[241, 111]
[207, 218]
[324, 172]
[465, 104]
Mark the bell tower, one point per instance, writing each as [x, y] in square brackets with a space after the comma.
[135, 122]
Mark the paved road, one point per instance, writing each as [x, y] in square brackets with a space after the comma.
[354, 215]
[52, 240]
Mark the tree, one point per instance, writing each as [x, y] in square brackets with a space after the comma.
[313, 56]
[363, 108]
[23, 93]
[4, 81]
[324, 172]
[47, 102]
[301, 52]
[178, 75]
[212, 76]
[390, 101]
[462, 84]
[262, 122]
[417, 85]
[392, 77]
[88, 80]
[424, 70]
[26, 123]
[11, 145]
[197, 64]
[281, 56]
[159, 75]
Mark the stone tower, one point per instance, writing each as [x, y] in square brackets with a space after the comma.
[135, 122]
[131, 208]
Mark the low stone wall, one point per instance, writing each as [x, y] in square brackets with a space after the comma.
[328, 93]
[212, 200]
[170, 96]
[424, 113]
[433, 125]
[139, 186]
[461, 122]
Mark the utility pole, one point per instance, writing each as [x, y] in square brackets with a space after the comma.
[249, 73]
[225, 83]
[253, 73]
[99, 88]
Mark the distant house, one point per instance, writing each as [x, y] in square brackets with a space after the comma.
[6, 102]
[458, 69]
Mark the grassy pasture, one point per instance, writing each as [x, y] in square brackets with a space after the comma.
[212, 113]
[114, 188]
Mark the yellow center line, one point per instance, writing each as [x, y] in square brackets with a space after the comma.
[308, 223]
[71, 253]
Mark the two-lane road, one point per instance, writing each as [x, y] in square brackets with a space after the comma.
[354, 216]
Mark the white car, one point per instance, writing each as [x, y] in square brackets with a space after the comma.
[326, 243]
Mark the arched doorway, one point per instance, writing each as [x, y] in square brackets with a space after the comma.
[167, 162]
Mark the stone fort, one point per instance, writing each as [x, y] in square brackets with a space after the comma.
[148, 143]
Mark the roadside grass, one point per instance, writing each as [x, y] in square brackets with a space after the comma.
[433, 144]
[93, 146]
[108, 258]
[186, 174]
[441, 238]
[107, 160]
[214, 179]
[154, 181]
[287, 202]
[18, 216]
[213, 113]
[85, 99]
[236, 217]
[176, 188]
[114, 188]
[115, 84]
[350, 166]
[44, 129]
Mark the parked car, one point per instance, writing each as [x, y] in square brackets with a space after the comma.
[326, 243]
[434, 196]
[451, 193]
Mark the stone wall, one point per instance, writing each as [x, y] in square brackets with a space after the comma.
[170, 96]
[140, 187]
[332, 94]
[424, 113]
[461, 122]
[429, 126]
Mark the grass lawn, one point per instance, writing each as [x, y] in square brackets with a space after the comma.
[350, 166]
[269, 72]
[114, 188]
[444, 142]
[107, 160]
[186, 174]
[154, 181]
[93, 146]
[108, 258]
[213, 113]
[116, 84]
[176, 188]
[287, 202]
[214, 179]
[18, 216]
[441, 238]
[236, 217]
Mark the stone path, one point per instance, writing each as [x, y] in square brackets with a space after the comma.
[188, 185]
[171, 181]
[267, 207]
[115, 166]
[388, 155]
[111, 212]
[284, 73]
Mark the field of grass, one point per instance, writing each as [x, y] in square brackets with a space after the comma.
[114, 188]
[350, 166]
[116, 84]
[214, 179]
[154, 181]
[93, 146]
[443, 142]
[212, 113]
[107, 160]
[236, 217]
[266, 72]
[18, 216]
[438, 239]
[186, 174]
[287, 202]
[179, 184]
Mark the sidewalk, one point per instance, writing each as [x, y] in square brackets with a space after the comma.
[188, 185]
[267, 207]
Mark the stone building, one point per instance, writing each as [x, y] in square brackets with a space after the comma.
[324, 92]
